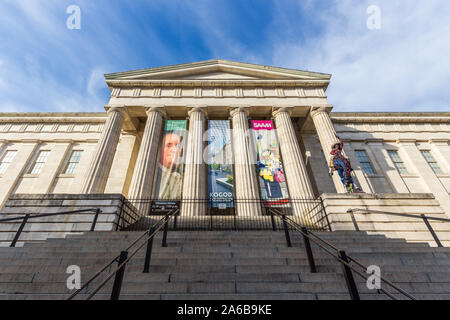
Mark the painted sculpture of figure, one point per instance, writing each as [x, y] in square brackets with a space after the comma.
[340, 163]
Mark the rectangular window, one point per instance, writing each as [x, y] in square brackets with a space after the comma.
[431, 161]
[6, 160]
[398, 163]
[73, 161]
[364, 161]
[39, 162]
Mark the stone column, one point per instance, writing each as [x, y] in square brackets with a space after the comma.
[194, 181]
[298, 183]
[246, 185]
[144, 170]
[104, 154]
[327, 137]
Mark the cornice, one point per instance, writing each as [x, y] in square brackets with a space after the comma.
[218, 83]
[53, 117]
[25, 119]
[391, 118]
[438, 141]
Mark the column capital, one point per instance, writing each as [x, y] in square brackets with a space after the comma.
[315, 110]
[159, 109]
[235, 109]
[201, 109]
[117, 108]
[276, 111]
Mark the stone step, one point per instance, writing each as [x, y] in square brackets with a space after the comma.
[221, 296]
[204, 265]
[227, 276]
[225, 254]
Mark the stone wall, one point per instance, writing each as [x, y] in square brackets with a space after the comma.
[112, 206]
[414, 230]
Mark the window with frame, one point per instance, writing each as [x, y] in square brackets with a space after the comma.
[6, 160]
[398, 163]
[431, 161]
[39, 162]
[73, 162]
[363, 159]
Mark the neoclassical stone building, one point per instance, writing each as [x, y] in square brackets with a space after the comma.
[400, 160]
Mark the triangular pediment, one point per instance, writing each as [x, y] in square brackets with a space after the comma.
[217, 70]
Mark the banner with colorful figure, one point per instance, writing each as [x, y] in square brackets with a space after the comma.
[270, 168]
[220, 169]
[169, 173]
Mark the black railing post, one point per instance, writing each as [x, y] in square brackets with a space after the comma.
[286, 231]
[272, 218]
[175, 219]
[119, 276]
[234, 218]
[18, 233]
[430, 228]
[166, 227]
[94, 222]
[312, 264]
[210, 221]
[148, 253]
[349, 280]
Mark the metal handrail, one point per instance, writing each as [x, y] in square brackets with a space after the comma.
[46, 215]
[27, 216]
[398, 214]
[422, 216]
[297, 228]
[151, 233]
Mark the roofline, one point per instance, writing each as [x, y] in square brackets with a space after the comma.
[113, 76]
[389, 114]
[332, 114]
[51, 114]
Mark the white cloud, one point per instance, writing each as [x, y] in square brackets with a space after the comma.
[96, 81]
[402, 67]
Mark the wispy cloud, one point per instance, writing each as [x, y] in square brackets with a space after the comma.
[402, 67]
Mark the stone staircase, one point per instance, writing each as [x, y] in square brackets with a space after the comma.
[213, 265]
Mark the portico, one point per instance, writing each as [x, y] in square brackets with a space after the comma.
[214, 90]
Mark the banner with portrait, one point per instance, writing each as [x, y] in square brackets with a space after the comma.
[220, 169]
[169, 172]
[272, 179]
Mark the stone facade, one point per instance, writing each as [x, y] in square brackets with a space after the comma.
[119, 148]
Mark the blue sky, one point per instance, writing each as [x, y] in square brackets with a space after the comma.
[404, 66]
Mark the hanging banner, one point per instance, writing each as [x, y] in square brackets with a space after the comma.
[169, 175]
[220, 170]
[270, 169]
